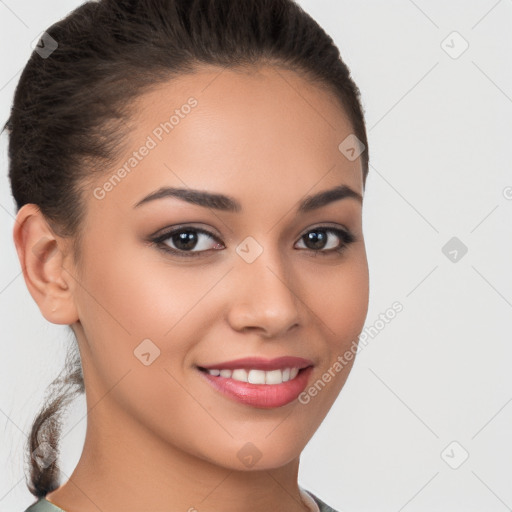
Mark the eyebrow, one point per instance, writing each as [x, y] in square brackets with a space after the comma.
[229, 204]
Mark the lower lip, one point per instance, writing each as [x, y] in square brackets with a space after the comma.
[265, 396]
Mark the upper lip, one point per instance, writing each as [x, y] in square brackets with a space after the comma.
[260, 363]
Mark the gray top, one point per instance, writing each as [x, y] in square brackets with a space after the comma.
[43, 505]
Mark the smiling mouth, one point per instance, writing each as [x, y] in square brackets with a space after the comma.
[254, 376]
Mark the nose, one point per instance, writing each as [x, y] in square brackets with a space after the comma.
[263, 297]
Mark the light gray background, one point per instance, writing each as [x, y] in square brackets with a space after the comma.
[440, 148]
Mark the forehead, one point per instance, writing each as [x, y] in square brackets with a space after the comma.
[264, 129]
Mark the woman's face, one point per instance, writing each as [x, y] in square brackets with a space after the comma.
[260, 280]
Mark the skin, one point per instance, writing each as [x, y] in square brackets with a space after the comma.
[159, 437]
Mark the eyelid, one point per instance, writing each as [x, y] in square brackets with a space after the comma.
[171, 229]
[167, 233]
[325, 225]
[180, 227]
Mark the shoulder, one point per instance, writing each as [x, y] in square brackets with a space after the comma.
[321, 504]
[43, 505]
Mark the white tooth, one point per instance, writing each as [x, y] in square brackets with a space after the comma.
[240, 375]
[274, 377]
[256, 377]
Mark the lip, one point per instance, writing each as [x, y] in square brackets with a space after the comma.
[260, 363]
[264, 396]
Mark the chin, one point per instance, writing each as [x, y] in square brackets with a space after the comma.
[256, 456]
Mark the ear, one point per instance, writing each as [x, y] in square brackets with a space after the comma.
[42, 255]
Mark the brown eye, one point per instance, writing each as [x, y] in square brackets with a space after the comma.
[187, 241]
[192, 242]
[327, 240]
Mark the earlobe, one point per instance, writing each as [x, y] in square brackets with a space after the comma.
[41, 254]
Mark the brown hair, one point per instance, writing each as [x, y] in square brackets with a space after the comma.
[71, 107]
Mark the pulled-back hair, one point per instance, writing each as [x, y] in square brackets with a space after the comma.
[71, 106]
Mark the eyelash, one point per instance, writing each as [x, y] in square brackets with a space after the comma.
[346, 237]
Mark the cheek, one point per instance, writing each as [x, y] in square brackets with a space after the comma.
[139, 295]
[339, 305]
[339, 296]
[137, 304]
[124, 302]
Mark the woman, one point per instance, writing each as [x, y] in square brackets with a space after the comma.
[190, 204]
